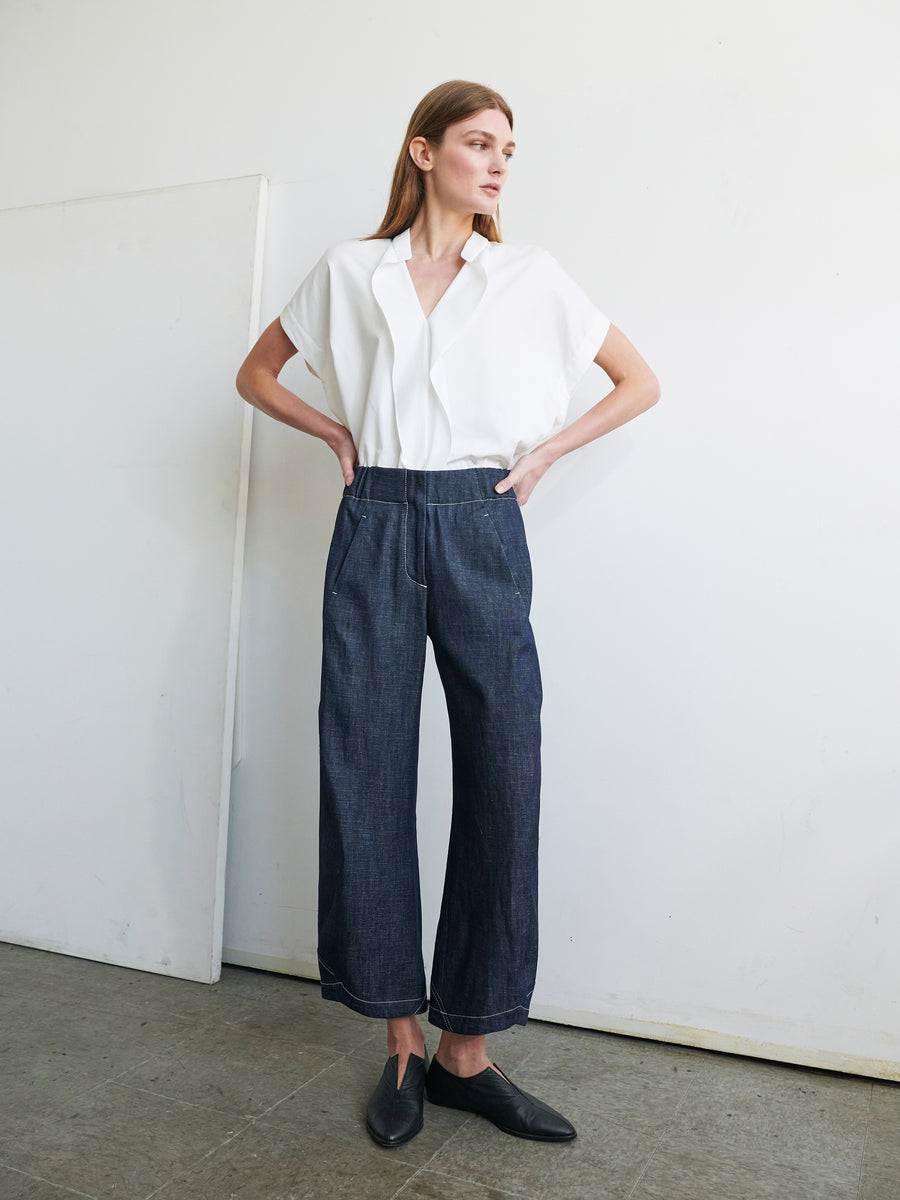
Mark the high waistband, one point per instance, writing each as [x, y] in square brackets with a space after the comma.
[396, 485]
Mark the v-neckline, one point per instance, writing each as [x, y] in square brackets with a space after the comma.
[426, 317]
[420, 343]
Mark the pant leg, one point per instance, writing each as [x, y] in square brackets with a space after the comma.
[479, 592]
[370, 925]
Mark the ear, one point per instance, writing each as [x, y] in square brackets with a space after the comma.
[420, 153]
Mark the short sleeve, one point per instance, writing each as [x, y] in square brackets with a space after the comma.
[305, 317]
[581, 326]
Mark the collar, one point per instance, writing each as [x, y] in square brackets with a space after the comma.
[402, 246]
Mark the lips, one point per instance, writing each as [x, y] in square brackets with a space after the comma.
[490, 187]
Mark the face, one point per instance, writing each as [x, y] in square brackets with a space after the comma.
[467, 171]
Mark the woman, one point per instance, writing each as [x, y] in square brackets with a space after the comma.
[448, 358]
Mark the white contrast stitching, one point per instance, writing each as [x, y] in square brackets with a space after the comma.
[405, 559]
[457, 503]
[369, 500]
[477, 1016]
[432, 503]
[435, 994]
[338, 983]
[340, 572]
[502, 545]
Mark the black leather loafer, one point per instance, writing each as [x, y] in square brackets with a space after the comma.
[394, 1114]
[497, 1098]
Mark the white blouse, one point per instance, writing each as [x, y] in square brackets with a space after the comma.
[478, 383]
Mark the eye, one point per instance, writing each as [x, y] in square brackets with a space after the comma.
[507, 154]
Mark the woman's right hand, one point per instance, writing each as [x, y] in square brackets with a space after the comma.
[346, 454]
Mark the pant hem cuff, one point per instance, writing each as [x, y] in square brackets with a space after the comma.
[373, 1008]
[474, 1026]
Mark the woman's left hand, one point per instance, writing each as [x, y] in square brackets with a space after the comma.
[635, 390]
[526, 474]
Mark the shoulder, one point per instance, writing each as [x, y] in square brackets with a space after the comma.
[529, 266]
[344, 266]
[521, 256]
[514, 252]
[544, 270]
[355, 252]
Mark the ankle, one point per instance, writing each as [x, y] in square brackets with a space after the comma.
[405, 1037]
[462, 1056]
[463, 1064]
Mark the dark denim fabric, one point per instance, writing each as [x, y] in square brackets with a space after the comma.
[418, 554]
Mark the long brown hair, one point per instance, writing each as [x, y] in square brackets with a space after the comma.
[449, 102]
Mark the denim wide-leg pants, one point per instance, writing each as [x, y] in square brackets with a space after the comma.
[437, 554]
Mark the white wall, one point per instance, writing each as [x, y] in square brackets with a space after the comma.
[716, 584]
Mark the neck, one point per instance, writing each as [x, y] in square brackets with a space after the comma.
[438, 233]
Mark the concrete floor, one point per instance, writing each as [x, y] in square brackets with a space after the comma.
[126, 1085]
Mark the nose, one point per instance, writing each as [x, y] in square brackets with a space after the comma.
[499, 165]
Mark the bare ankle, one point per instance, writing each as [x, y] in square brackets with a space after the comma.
[462, 1055]
[405, 1037]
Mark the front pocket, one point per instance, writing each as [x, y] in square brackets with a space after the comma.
[351, 520]
[504, 518]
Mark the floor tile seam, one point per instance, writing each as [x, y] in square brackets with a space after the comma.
[261, 1116]
[89, 1086]
[362, 1045]
[678, 1093]
[469, 1182]
[186, 1171]
[862, 1159]
[294, 1041]
[222, 1112]
[116, 1077]
[426, 1166]
[524, 1062]
[415, 1175]
[197, 1032]
[106, 1077]
[352, 1125]
[40, 1179]
[43, 1118]
[689, 1087]
[143, 1062]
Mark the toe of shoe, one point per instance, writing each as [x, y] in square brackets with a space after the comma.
[537, 1123]
[556, 1129]
[390, 1133]
[546, 1122]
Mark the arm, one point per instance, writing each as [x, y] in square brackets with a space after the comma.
[635, 390]
[257, 382]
